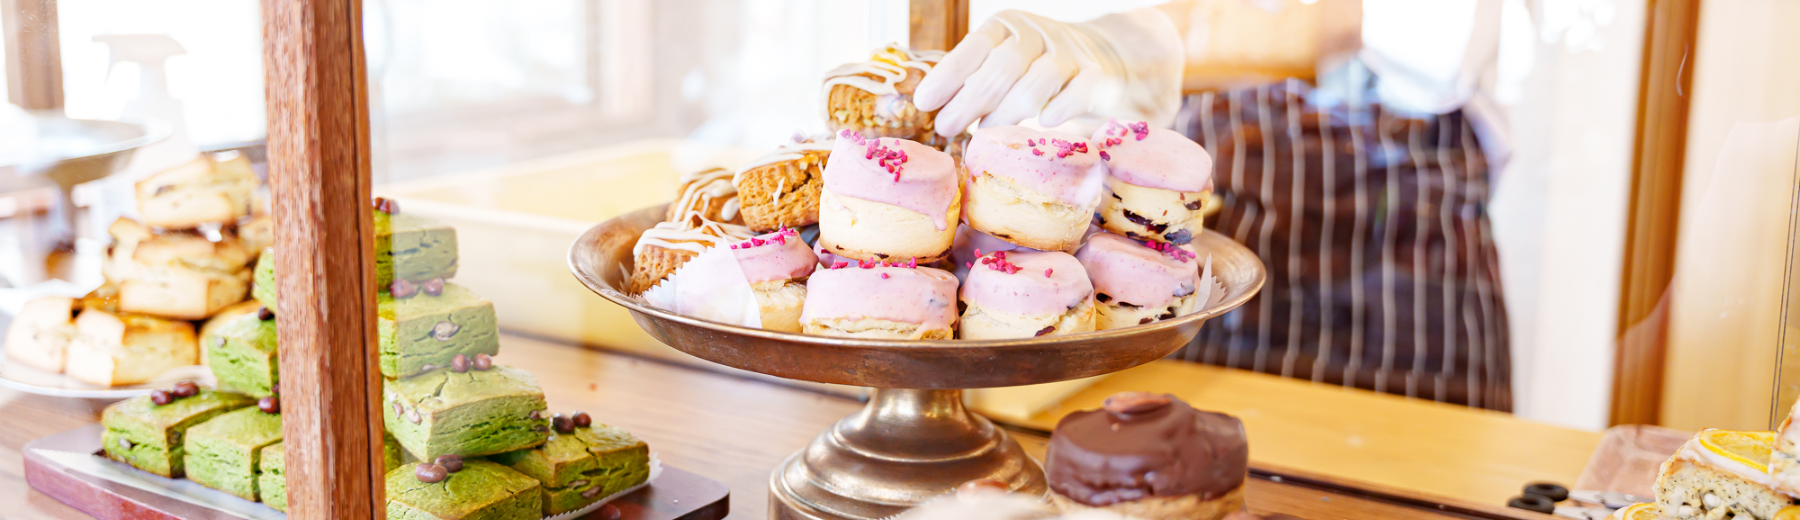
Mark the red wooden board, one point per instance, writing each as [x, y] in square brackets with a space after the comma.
[676, 495]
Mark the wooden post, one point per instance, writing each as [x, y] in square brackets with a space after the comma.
[938, 24]
[33, 54]
[325, 267]
[1655, 209]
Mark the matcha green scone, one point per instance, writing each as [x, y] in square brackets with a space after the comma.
[271, 471]
[471, 414]
[241, 352]
[413, 248]
[423, 332]
[149, 436]
[223, 453]
[482, 490]
[262, 286]
[271, 476]
[583, 466]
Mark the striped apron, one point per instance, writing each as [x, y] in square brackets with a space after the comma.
[1374, 228]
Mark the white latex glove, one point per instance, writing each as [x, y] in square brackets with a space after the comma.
[1019, 65]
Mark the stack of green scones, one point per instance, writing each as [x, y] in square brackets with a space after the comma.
[466, 438]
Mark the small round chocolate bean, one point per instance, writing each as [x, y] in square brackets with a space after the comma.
[413, 415]
[434, 286]
[483, 362]
[185, 389]
[275, 389]
[444, 330]
[431, 473]
[161, 397]
[451, 463]
[402, 289]
[536, 414]
[263, 313]
[561, 423]
[270, 404]
[398, 410]
[582, 420]
[459, 364]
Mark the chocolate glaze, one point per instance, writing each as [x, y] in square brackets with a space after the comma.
[1100, 458]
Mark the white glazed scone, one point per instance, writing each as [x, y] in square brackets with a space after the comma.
[1137, 284]
[127, 349]
[1720, 474]
[874, 97]
[665, 247]
[888, 200]
[1032, 188]
[1026, 294]
[180, 275]
[1157, 183]
[872, 300]
[782, 189]
[40, 334]
[203, 191]
[777, 266]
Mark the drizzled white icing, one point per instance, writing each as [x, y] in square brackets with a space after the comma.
[785, 153]
[888, 68]
[1694, 452]
[677, 234]
[704, 186]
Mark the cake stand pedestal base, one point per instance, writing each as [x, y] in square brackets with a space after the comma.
[903, 448]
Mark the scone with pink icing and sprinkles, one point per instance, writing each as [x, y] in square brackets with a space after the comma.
[1032, 188]
[1157, 184]
[888, 200]
[1139, 282]
[870, 299]
[1025, 294]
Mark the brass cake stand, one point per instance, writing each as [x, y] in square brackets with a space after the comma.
[914, 440]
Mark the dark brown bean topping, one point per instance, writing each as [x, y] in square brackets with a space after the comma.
[161, 397]
[582, 420]
[431, 473]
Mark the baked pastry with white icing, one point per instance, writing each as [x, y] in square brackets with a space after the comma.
[707, 195]
[781, 190]
[874, 97]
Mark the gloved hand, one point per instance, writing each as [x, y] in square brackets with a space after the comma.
[1019, 65]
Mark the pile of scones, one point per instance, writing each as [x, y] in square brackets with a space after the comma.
[1003, 232]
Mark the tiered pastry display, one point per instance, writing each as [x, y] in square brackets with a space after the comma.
[467, 438]
[186, 261]
[887, 214]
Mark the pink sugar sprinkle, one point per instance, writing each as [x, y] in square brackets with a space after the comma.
[1038, 152]
[781, 239]
[1047, 272]
[1105, 156]
[884, 276]
[977, 251]
[912, 263]
[840, 263]
[971, 265]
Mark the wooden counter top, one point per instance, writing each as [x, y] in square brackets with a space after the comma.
[735, 429]
[1453, 451]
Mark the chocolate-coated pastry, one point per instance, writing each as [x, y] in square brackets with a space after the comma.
[1149, 456]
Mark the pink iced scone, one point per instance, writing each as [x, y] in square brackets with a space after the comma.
[870, 300]
[888, 200]
[777, 265]
[1023, 294]
[1137, 283]
[1032, 188]
[1157, 184]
